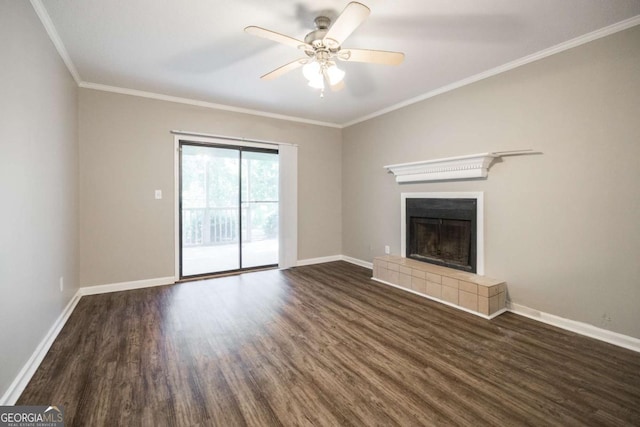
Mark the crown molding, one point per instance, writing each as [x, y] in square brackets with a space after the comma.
[50, 28]
[586, 38]
[188, 101]
[42, 13]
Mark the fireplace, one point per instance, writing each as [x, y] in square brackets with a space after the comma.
[442, 231]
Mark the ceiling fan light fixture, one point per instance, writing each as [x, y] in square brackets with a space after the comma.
[315, 73]
[335, 74]
[312, 71]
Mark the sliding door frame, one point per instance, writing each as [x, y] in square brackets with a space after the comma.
[287, 193]
[241, 146]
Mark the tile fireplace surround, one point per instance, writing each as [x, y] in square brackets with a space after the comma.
[479, 295]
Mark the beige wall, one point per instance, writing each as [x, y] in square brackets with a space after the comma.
[563, 227]
[126, 152]
[38, 186]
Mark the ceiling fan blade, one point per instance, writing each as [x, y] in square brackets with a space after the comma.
[371, 56]
[351, 17]
[285, 69]
[277, 37]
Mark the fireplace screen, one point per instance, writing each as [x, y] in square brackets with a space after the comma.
[445, 240]
[442, 231]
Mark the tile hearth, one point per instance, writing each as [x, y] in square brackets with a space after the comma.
[479, 295]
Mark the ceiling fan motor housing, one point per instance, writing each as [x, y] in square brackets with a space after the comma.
[316, 38]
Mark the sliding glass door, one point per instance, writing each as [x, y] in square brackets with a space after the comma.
[228, 208]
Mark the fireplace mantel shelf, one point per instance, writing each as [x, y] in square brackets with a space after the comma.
[461, 167]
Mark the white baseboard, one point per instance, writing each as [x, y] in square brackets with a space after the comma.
[24, 376]
[126, 286]
[357, 261]
[321, 260]
[581, 328]
[333, 258]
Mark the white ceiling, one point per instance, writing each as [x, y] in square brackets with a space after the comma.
[197, 49]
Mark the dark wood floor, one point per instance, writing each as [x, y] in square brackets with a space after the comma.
[322, 345]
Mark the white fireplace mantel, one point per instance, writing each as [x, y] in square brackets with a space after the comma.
[461, 167]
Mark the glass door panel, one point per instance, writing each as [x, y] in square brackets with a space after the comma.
[210, 220]
[259, 208]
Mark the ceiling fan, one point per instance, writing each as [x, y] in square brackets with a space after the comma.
[323, 48]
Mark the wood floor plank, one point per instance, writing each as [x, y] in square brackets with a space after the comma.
[322, 345]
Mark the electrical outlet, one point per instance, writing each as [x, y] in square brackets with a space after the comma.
[387, 249]
[61, 284]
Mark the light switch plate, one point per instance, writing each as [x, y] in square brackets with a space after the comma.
[158, 194]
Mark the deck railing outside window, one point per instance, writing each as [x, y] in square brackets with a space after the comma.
[214, 226]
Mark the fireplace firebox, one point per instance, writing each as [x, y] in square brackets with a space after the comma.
[442, 232]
